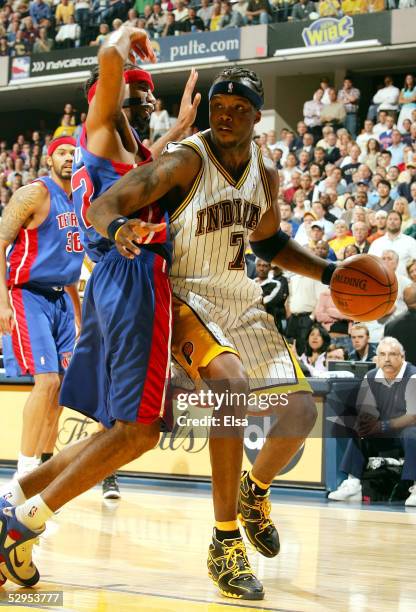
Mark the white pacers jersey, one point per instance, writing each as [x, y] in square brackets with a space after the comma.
[211, 227]
[210, 231]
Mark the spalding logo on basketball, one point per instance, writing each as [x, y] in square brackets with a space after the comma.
[363, 288]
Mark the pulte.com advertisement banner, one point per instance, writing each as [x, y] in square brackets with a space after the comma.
[219, 46]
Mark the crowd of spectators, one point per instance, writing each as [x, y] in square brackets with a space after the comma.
[344, 190]
[25, 159]
[37, 26]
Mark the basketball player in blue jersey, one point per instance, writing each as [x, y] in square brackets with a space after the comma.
[227, 194]
[36, 313]
[109, 147]
[120, 368]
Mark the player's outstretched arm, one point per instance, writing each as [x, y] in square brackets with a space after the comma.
[282, 251]
[186, 116]
[144, 185]
[106, 104]
[22, 206]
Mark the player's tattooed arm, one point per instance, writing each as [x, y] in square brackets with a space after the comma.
[144, 185]
[292, 256]
[22, 206]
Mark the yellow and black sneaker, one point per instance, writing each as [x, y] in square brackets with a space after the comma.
[254, 515]
[230, 569]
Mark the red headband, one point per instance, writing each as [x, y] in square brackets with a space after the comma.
[130, 76]
[60, 141]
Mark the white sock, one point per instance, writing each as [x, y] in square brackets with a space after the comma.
[351, 477]
[26, 464]
[13, 492]
[34, 513]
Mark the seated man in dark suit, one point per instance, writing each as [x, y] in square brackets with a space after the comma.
[386, 406]
[403, 327]
[360, 338]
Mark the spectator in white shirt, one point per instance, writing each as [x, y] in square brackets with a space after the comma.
[325, 86]
[241, 7]
[366, 134]
[271, 140]
[319, 211]
[380, 126]
[391, 261]
[205, 12]
[303, 234]
[180, 12]
[312, 113]
[159, 121]
[396, 148]
[387, 98]
[393, 239]
[132, 18]
[69, 34]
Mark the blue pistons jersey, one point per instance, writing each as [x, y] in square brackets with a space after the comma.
[50, 254]
[93, 175]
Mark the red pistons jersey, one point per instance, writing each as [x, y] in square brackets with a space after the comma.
[93, 175]
[51, 254]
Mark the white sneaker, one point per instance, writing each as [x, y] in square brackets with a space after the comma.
[349, 490]
[411, 500]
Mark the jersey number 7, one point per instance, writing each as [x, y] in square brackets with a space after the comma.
[238, 263]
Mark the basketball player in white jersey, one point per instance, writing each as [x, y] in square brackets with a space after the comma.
[222, 194]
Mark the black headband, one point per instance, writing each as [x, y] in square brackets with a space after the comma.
[234, 88]
[127, 102]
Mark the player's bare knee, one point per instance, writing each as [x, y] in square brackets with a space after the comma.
[48, 383]
[135, 438]
[152, 438]
[303, 412]
[226, 371]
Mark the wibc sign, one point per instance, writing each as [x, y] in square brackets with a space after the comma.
[63, 62]
[328, 31]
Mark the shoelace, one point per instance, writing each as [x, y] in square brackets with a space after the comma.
[232, 556]
[264, 507]
[110, 481]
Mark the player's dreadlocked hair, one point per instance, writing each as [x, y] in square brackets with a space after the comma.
[241, 75]
[94, 74]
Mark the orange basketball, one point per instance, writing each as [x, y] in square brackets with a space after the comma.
[363, 289]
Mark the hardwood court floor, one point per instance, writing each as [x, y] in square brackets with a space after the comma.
[148, 553]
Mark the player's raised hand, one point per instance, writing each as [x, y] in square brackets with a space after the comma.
[7, 320]
[133, 233]
[189, 107]
[141, 45]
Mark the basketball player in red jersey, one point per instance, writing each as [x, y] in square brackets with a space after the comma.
[109, 136]
[124, 380]
[35, 313]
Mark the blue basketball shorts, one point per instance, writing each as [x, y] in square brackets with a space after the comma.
[43, 337]
[120, 367]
